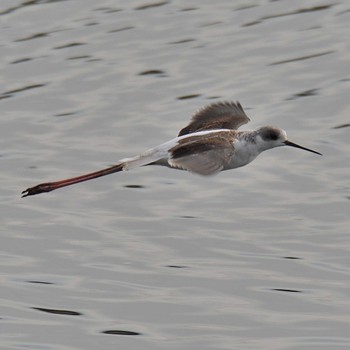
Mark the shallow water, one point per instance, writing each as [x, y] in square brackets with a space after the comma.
[255, 258]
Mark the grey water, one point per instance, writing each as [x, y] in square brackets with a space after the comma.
[254, 258]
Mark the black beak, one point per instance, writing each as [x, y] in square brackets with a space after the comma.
[288, 143]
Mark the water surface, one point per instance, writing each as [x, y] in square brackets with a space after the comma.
[255, 258]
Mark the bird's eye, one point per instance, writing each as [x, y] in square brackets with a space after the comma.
[270, 135]
[273, 136]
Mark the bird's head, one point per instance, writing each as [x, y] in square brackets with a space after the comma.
[271, 137]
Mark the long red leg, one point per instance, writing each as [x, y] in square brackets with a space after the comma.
[50, 186]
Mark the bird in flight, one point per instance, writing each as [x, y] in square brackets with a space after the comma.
[210, 143]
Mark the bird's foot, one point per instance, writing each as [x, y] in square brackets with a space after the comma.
[31, 191]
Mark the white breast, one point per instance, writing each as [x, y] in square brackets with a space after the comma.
[245, 152]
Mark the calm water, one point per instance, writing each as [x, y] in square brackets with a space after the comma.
[255, 258]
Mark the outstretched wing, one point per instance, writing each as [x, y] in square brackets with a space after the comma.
[206, 155]
[219, 115]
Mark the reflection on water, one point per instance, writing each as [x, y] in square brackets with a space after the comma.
[252, 258]
[291, 13]
[120, 332]
[306, 93]
[10, 93]
[303, 58]
[341, 126]
[58, 312]
[155, 72]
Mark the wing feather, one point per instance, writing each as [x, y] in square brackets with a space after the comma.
[219, 115]
[202, 155]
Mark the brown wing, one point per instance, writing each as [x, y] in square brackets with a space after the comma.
[206, 155]
[219, 115]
